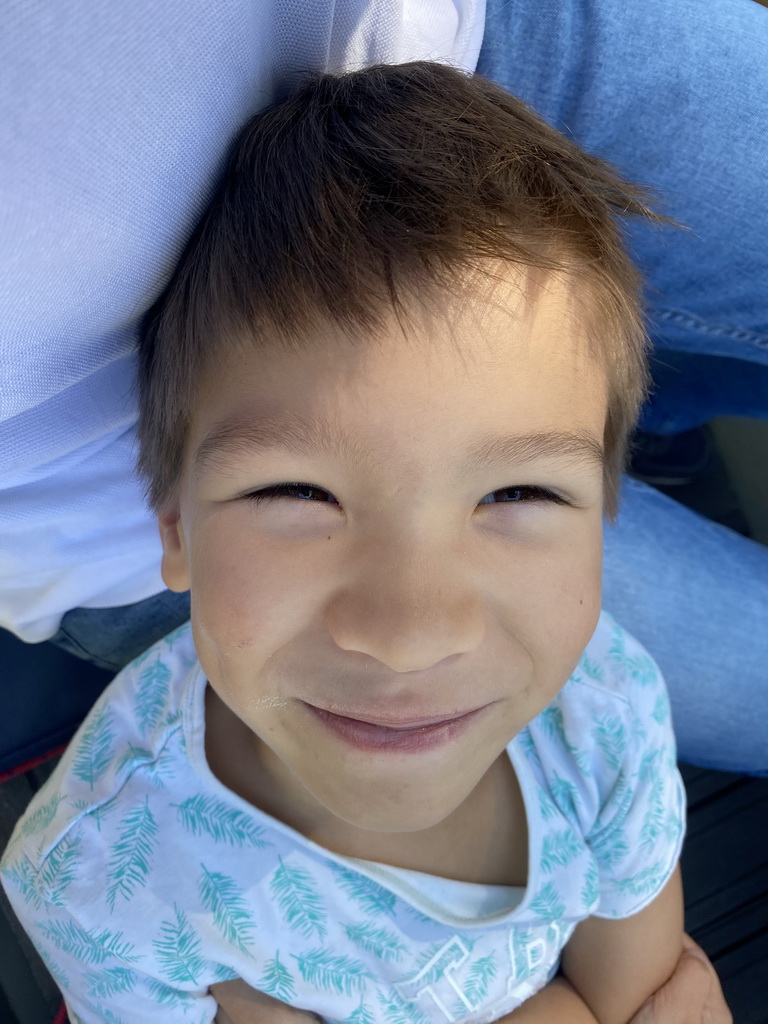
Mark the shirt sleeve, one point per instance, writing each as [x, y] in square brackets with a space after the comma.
[638, 833]
[98, 969]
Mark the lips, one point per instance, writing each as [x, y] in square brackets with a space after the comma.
[414, 735]
[397, 724]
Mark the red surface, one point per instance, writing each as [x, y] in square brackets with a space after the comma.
[25, 766]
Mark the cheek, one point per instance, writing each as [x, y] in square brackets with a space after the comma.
[246, 593]
[555, 598]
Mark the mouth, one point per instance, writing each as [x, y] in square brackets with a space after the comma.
[401, 736]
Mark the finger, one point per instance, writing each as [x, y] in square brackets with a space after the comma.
[682, 1000]
[716, 1009]
[694, 949]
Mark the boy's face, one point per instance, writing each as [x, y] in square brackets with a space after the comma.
[414, 579]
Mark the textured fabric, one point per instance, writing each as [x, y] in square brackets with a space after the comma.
[696, 595]
[143, 879]
[115, 125]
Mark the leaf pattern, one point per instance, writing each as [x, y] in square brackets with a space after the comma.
[58, 975]
[394, 1010]
[277, 980]
[590, 890]
[332, 972]
[24, 877]
[159, 768]
[133, 758]
[178, 950]
[298, 900]
[661, 709]
[522, 938]
[566, 796]
[131, 856]
[167, 996]
[382, 943]
[362, 1015]
[152, 691]
[42, 817]
[179, 633]
[98, 812]
[205, 814]
[551, 719]
[59, 869]
[592, 668]
[642, 882]
[417, 914]
[548, 904]
[84, 945]
[422, 960]
[622, 798]
[528, 747]
[372, 898]
[94, 754]
[103, 1014]
[642, 669]
[608, 732]
[141, 658]
[110, 982]
[649, 766]
[558, 849]
[653, 820]
[224, 973]
[617, 649]
[547, 808]
[610, 847]
[223, 897]
[398, 1012]
[481, 974]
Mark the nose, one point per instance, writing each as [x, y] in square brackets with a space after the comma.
[408, 606]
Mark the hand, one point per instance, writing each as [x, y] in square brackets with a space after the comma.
[691, 996]
[241, 1004]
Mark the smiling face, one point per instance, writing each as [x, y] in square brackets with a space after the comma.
[425, 568]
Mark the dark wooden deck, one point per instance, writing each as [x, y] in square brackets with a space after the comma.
[725, 873]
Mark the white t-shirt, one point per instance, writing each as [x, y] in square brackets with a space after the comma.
[143, 880]
[115, 125]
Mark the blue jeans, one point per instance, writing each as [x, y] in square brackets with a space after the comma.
[675, 94]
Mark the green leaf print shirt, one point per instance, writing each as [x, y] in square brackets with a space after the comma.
[143, 880]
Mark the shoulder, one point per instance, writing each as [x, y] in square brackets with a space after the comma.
[128, 745]
[616, 685]
[609, 724]
[603, 753]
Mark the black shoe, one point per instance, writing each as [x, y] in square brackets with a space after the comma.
[671, 460]
[688, 468]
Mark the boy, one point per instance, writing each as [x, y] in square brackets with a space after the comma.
[399, 767]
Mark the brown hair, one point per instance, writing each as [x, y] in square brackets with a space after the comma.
[359, 189]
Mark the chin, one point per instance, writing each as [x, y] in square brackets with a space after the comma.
[375, 815]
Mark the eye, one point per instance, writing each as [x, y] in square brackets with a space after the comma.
[302, 492]
[522, 495]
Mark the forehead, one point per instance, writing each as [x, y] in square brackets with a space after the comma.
[509, 352]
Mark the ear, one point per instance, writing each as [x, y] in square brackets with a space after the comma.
[175, 565]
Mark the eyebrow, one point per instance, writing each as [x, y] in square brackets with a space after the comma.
[243, 438]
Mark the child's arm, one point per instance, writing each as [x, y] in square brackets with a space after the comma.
[241, 1004]
[611, 967]
[616, 965]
